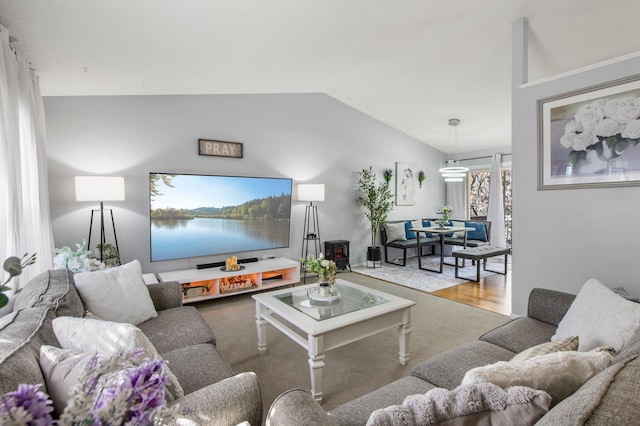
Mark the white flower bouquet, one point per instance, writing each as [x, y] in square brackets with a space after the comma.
[607, 126]
[445, 211]
[76, 261]
[325, 268]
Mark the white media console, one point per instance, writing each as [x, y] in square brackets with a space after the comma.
[211, 283]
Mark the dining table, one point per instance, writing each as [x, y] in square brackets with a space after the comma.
[442, 232]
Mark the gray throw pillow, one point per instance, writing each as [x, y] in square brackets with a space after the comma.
[395, 232]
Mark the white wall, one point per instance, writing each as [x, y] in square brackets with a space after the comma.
[307, 137]
[561, 238]
[480, 160]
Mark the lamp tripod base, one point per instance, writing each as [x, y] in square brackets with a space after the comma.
[113, 258]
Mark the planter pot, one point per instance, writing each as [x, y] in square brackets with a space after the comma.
[374, 254]
[323, 289]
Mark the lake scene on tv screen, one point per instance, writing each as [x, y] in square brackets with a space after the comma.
[202, 215]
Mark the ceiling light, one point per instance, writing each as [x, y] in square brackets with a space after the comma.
[453, 171]
[453, 175]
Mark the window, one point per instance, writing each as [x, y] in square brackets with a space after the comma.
[479, 196]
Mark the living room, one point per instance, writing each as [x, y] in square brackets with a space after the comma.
[312, 135]
[133, 135]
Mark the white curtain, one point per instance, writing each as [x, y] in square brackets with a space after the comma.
[496, 204]
[25, 222]
[457, 199]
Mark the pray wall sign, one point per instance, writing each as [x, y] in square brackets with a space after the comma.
[219, 148]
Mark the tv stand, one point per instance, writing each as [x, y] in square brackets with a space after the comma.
[211, 283]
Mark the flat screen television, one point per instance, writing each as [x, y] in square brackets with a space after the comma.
[201, 215]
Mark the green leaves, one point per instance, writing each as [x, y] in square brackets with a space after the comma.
[376, 197]
[387, 174]
[14, 267]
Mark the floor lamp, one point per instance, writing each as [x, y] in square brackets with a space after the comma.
[311, 233]
[100, 188]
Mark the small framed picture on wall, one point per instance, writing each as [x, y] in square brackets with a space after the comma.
[405, 184]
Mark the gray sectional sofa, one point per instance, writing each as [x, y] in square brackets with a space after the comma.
[610, 397]
[213, 393]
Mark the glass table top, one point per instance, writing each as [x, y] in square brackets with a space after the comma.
[351, 300]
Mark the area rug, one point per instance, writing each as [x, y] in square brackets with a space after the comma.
[411, 276]
[352, 370]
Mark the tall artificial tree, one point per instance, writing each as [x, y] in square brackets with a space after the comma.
[377, 199]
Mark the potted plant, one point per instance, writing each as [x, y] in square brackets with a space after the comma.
[326, 270]
[109, 254]
[445, 211]
[377, 199]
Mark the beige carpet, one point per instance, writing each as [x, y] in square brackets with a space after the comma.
[352, 370]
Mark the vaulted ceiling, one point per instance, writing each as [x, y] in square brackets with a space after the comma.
[412, 64]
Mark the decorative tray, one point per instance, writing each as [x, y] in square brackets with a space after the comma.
[314, 294]
[224, 269]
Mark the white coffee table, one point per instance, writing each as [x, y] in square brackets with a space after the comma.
[360, 312]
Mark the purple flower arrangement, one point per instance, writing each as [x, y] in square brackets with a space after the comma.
[111, 391]
[27, 406]
[144, 388]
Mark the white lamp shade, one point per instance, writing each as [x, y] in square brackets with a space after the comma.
[311, 192]
[99, 188]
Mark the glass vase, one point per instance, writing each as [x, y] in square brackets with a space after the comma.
[327, 284]
[323, 289]
[610, 153]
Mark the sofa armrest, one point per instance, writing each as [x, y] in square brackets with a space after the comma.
[165, 295]
[297, 407]
[228, 402]
[549, 306]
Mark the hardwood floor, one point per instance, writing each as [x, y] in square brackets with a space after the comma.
[492, 293]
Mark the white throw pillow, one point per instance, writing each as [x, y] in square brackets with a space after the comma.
[63, 369]
[395, 231]
[558, 373]
[416, 223]
[117, 294]
[106, 338]
[459, 234]
[599, 317]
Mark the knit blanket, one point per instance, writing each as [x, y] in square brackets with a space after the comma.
[440, 404]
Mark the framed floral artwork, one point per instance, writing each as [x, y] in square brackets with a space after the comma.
[590, 138]
[405, 184]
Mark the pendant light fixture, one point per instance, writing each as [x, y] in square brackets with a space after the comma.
[453, 171]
